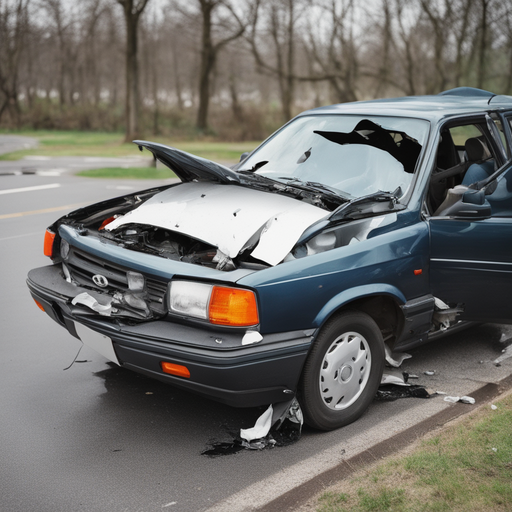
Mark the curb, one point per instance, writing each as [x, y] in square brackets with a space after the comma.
[295, 498]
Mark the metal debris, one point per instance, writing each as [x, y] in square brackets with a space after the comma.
[395, 359]
[394, 377]
[89, 301]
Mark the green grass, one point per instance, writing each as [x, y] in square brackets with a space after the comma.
[138, 173]
[465, 468]
[103, 144]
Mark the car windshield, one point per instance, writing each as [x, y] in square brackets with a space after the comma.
[352, 155]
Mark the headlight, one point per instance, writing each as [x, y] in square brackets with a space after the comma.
[220, 305]
[64, 249]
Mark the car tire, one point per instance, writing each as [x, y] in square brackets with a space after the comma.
[342, 372]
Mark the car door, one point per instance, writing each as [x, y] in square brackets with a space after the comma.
[471, 258]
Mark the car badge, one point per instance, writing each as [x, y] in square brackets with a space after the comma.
[100, 280]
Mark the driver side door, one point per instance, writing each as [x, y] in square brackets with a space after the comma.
[471, 258]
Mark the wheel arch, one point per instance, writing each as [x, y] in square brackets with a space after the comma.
[381, 303]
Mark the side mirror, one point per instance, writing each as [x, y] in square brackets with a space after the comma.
[243, 156]
[474, 205]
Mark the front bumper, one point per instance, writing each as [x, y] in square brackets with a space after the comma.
[241, 376]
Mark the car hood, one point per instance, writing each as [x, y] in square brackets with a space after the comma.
[230, 217]
[189, 167]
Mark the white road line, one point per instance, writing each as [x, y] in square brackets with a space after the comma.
[67, 207]
[29, 189]
[39, 233]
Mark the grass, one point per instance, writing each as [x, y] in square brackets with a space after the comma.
[465, 468]
[103, 144]
[138, 173]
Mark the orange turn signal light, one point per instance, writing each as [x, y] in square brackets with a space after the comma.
[39, 305]
[175, 369]
[49, 238]
[106, 222]
[233, 306]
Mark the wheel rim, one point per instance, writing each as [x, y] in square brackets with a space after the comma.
[345, 370]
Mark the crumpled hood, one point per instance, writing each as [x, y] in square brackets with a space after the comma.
[229, 217]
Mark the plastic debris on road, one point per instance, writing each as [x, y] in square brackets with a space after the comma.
[392, 392]
[280, 425]
[429, 373]
[462, 399]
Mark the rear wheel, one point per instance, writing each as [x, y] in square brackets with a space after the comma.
[343, 371]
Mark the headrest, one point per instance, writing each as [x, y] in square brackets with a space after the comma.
[476, 149]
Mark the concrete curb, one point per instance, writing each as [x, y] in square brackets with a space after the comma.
[295, 498]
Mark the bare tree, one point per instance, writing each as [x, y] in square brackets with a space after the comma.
[211, 48]
[280, 24]
[132, 10]
[14, 24]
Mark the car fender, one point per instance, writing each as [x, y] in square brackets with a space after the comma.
[359, 292]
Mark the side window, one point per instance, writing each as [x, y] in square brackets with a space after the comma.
[464, 157]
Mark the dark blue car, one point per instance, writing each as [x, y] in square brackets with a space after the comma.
[353, 231]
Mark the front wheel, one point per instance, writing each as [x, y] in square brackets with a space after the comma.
[343, 371]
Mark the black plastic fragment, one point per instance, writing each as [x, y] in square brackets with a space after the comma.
[391, 392]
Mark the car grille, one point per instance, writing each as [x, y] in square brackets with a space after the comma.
[83, 266]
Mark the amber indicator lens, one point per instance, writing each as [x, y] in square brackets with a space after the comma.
[232, 306]
[49, 238]
[175, 369]
[39, 305]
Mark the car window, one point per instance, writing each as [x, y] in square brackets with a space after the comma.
[465, 156]
[354, 155]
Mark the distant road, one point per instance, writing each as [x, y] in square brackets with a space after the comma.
[10, 143]
[55, 166]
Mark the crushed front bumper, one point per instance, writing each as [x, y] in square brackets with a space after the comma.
[220, 366]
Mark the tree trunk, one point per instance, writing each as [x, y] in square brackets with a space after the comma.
[131, 15]
[206, 66]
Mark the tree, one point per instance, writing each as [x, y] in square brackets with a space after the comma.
[13, 28]
[280, 25]
[132, 10]
[210, 49]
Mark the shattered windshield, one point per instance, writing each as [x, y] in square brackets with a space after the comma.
[351, 155]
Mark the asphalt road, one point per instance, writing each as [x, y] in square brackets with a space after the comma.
[96, 437]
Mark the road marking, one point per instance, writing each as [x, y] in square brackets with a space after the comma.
[20, 236]
[46, 210]
[29, 189]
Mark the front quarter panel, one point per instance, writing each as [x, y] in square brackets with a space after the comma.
[302, 294]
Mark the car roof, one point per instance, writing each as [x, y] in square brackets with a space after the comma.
[462, 100]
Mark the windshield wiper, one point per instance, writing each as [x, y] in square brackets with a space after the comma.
[255, 167]
[315, 186]
[367, 206]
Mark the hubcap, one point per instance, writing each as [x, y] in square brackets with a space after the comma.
[345, 370]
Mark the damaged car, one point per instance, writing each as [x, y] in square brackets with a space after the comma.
[354, 231]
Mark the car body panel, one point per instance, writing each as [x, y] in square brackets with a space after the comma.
[235, 215]
[305, 252]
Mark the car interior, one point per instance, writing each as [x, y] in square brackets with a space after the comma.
[464, 158]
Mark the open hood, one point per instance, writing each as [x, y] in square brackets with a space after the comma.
[231, 218]
[189, 167]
